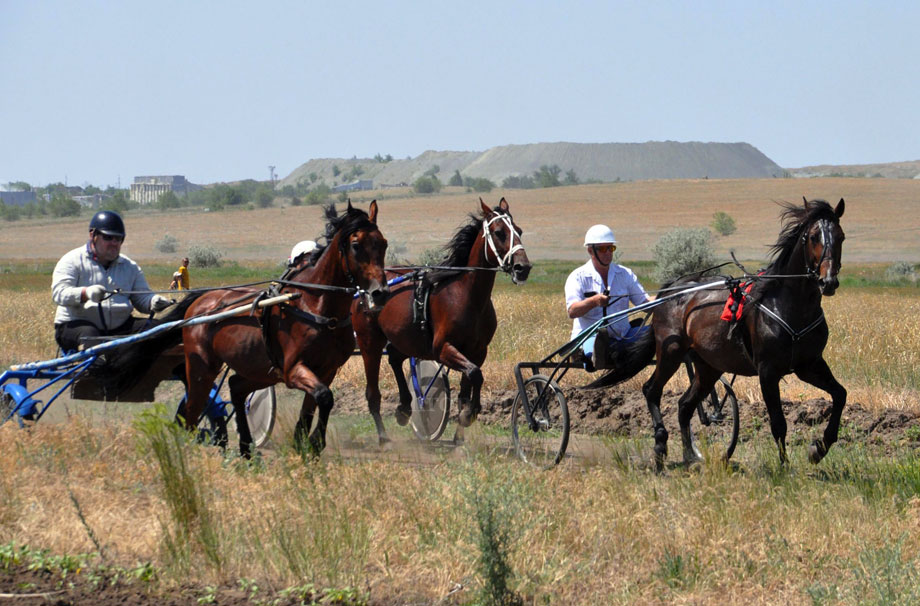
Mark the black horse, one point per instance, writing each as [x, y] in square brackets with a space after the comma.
[782, 330]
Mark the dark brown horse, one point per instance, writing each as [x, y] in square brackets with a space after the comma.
[461, 321]
[781, 331]
[306, 341]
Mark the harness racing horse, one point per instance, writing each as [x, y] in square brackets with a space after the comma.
[782, 330]
[304, 342]
[461, 319]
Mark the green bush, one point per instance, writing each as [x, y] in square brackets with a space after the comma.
[456, 180]
[427, 185]
[204, 256]
[902, 270]
[723, 224]
[683, 251]
[431, 256]
[167, 244]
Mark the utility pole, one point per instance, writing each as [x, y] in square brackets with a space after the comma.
[271, 175]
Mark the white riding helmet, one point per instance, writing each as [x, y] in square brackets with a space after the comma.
[301, 248]
[599, 234]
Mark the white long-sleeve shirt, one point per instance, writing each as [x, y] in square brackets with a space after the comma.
[79, 269]
[624, 289]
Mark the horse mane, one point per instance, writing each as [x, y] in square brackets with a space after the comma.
[350, 221]
[456, 253]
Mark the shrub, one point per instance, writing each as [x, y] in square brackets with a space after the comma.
[319, 195]
[204, 256]
[902, 270]
[480, 184]
[456, 179]
[167, 244]
[431, 256]
[723, 224]
[683, 251]
[427, 185]
[167, 200]
[518, 182]
[396, 253]
[264, 197]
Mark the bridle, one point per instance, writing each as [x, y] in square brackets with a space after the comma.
[814, 271]
[503, 262]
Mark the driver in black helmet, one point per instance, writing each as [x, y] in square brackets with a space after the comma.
[84, 285]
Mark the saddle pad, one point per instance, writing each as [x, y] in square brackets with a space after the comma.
[734, 305]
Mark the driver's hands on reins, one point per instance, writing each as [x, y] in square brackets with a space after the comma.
[95, 293]
[600, 299]
[159, 303]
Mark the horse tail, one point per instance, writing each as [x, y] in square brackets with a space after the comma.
[628, 361]
[127, 365]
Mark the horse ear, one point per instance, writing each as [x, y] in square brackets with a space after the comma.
[372, 212]
[839, 210]
[486, 211]
[805, 200]
[503, 204]
[349, 204]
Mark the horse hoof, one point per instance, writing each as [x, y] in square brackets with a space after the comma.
[816, 451]
[466, 417]
[403, 415]
[384, 440]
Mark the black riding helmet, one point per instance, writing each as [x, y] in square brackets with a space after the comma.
[107, 222]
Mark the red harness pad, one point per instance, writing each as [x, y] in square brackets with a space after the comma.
[736, 303]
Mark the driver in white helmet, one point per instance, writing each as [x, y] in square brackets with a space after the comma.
[599, 288]
[300, 249]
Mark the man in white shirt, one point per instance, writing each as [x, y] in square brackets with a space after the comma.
[599, 288]
[84, 284]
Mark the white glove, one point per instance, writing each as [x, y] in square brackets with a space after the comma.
[159, 303]
[95, 293]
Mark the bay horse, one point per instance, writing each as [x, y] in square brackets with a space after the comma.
[305, 341]
[462, 319]
[781, 331]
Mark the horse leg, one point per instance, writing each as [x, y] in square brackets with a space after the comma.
[199, 380]
[668, 363]
[819, 374]
[370, 355]
[240, 388]
[469, 409]
[769, 387]
[404, 410]
[463, 400]
[304, 379]
[304, 422]
[704, 379]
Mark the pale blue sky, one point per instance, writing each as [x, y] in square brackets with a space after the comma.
[218, 91]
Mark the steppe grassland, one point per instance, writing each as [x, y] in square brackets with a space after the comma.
[881, 220]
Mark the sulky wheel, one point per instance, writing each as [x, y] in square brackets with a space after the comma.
[540, 439]
[429, 417]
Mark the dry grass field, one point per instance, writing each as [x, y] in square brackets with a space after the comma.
[882, 220]
[472, 525]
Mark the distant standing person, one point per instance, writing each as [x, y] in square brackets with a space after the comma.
[96, 288]
[180, 280]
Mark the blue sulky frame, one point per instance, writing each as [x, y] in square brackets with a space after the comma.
[17, 401]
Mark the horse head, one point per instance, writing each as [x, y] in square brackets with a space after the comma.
[363, 250]
[823, 243]
[503, 241]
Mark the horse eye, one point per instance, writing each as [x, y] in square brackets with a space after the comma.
[814, 238]
[355, 246]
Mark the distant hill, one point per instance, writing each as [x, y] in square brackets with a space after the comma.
[890, 170]
[604, 162]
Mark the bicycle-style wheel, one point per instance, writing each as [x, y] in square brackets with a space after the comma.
[720, 408]
[429, 418]
[543, 441]
[261, 406]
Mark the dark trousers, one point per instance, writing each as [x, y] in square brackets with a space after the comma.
[69, 334]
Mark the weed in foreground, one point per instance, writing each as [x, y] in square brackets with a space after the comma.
[191, 530]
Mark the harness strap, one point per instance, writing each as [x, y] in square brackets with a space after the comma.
[315, 319]
[795, 334]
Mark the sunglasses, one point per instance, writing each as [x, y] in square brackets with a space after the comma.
[604, 248]
[109, 238]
